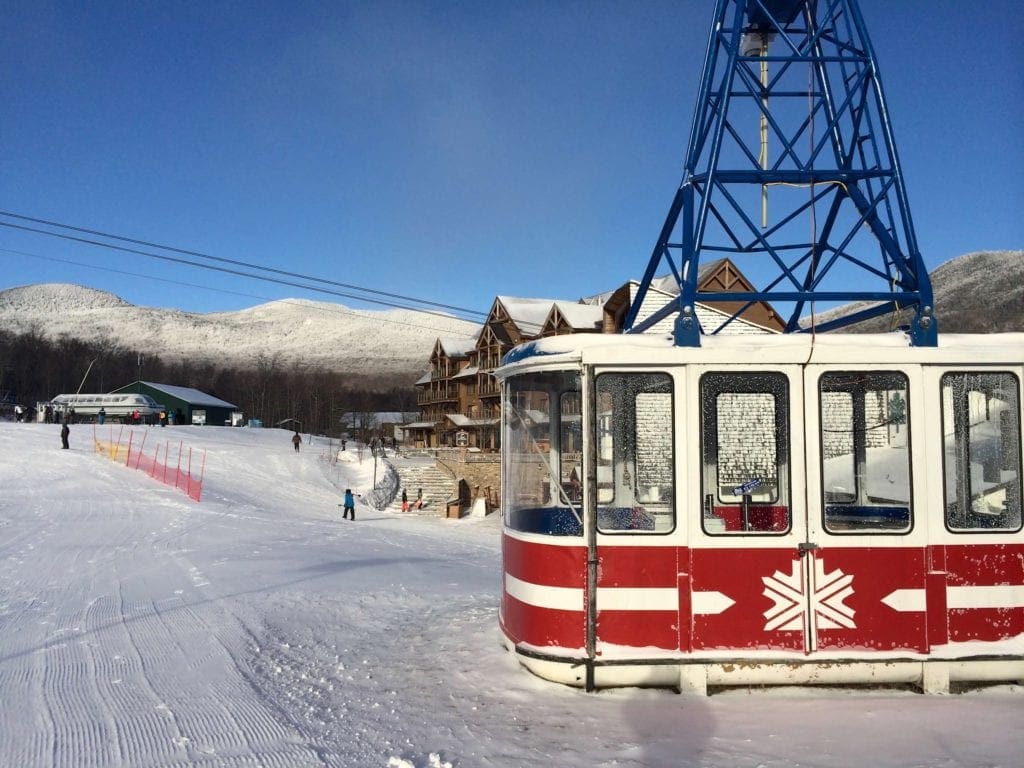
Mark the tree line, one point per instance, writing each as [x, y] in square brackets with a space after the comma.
[35, 368]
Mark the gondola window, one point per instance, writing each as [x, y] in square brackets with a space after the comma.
[865, 443]
[745, 453]
[981, 451]
[635, 453]
[542, 486]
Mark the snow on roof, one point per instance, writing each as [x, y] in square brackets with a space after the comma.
[190, 396]
[528, 312]
[580, 316]
[426, 377]
[394, 417]
[470, 370]
[878, 348]
[418, 425]
[461, 420]
[457, 347]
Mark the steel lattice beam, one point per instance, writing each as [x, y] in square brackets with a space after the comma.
[791, 171]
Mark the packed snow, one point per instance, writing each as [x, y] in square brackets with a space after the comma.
[258, 628]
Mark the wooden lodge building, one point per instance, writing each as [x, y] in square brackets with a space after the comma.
[459, 398]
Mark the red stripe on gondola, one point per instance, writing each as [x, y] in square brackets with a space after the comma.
[640, 629]
[638, 566]
[987, 565]
[985, 624]
[523, 623]
[545, 564]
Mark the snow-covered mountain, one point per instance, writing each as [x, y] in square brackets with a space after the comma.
[981, 292]
[312, 333]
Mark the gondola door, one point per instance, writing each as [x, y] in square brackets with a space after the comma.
[866, 553]
[635, 452]
[807, 539]
[748, 580]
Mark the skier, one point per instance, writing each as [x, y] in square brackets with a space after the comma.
[296, 440]
[350, 505]
[64, 431]
[101, 415]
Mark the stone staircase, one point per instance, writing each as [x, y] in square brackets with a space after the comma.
[415, 473]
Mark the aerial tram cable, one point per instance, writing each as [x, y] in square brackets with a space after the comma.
[222, 260]
[264, 278]
[324, 307]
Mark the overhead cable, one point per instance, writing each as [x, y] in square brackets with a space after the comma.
[191, 263]
[222, 260]
[323, 307]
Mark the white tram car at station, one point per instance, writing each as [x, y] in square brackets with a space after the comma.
[764, 509]
[115, 406]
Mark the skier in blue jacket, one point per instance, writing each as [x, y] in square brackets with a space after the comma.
[350, 505]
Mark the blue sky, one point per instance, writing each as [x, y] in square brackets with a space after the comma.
[445, 150]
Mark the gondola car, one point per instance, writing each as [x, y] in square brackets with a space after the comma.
[764, 509]
[115, 406]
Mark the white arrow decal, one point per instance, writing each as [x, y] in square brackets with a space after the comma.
[959, 598]
[710, 603]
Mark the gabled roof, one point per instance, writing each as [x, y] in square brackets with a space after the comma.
[527, 314]
[190, 396]
[579, 317]
[499, 332]
[455, 346]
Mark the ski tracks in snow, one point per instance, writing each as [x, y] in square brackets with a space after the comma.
[114, 647]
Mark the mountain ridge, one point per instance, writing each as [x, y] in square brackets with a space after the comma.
[977, 292]
[295, 331]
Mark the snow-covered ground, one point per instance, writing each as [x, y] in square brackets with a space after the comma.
[257, 628]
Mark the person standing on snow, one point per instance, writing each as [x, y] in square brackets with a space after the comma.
[405, 501]
[296, 441]
[64, 432]
[350, 505]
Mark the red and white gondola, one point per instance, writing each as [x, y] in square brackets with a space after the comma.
[792, 509]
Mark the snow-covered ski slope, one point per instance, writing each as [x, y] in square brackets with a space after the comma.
[138, 628]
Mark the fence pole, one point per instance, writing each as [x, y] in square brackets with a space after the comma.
[141, 447]
[202, 474]
[188, 488]
[177, 474]
[128, 458]
[167, 458]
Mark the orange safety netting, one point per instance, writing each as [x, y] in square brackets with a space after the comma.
[162, 464]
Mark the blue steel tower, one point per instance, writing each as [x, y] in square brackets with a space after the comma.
[791, 171]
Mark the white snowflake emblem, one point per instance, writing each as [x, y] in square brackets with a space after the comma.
[824, 597]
